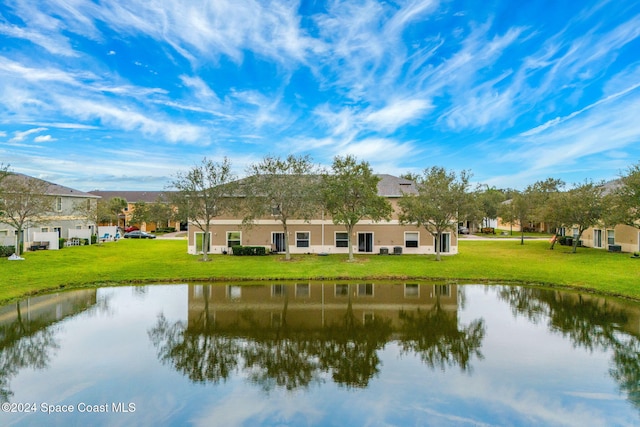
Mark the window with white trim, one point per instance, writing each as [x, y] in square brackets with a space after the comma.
[611, 237]
[365, 289]
[411, 239]
[234, 238]
[58, 204]
[303, 290]
[411, 290]
[342, 290]
[302, 239]
[342, 240]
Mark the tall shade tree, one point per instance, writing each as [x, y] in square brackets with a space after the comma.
[350, 194]
[140, 213]
[581, 207]
[626, 199]
[24, 203]
[207, 190]
[441, 195]
[285, 189]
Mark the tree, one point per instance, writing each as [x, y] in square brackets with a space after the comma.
[24, 203]
[581, 207]
[626, 199]
[350, 194]
[206, 190]
[114, 208]
[440, 196]
[286, 189]
[488, 201]
[140, 213]
[530, 205]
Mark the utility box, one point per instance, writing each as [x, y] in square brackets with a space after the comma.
[397, 250]
[615, 248]
[384, 251]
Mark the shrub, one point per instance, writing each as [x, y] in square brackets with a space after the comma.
[61, 242]
[248, 250]
[6, 251]
[94, 239]
[165, 230]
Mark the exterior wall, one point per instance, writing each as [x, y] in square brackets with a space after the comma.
[61, 219]
[624, 235]
[322, 236]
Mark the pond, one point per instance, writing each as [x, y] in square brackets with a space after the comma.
[320, 354]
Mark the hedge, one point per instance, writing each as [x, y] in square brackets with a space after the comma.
[248, 250]
[6, 251]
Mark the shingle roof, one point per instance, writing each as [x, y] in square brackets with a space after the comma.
[392, 186]
[134, 196]
[54, 189]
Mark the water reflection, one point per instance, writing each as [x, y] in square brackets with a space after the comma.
[292, 335]
[590, 322]
[28, 332]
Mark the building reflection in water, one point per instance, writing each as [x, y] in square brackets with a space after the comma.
[293, 334]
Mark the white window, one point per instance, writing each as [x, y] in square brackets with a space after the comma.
[303, 290]
[444, 290]
[198, 291]
[4, 233]
[58, 204]
[445, 243]
[302, 239]
[278, 290]
[368, 318]
[411, 290]
[575, 233]
[44, 229]
[234, 292]
[611, 237]
[342, 240]
[365, 289]
[200, 242]
[78, 227]
[342, 290]
[597, 238]
[411, 239]
[234, 238]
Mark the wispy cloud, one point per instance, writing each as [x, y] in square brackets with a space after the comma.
[21, 136]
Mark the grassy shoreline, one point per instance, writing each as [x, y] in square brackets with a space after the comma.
[141, 261]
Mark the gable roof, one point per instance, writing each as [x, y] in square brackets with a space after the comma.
[52, 188]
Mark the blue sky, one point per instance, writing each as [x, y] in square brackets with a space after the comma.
[122, 94]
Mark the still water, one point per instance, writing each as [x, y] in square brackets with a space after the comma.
[320, 354]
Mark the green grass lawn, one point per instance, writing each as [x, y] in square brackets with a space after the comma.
[138, 261]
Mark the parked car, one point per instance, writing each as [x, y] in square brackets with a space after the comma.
[131, 228]
[137, 234]
[463, 230]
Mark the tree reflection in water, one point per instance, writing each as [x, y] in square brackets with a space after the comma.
[282, 356]
[593, 323]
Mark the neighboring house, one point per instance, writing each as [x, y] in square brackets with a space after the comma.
[64, 220]
[133, 197]
[320, 235]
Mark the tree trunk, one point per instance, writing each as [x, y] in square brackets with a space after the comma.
[438, 236]
[349, 233]
[205, 245]
[287, 254]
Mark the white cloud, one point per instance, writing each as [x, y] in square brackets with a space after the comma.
[398, 113]
[44, 138]
[21, 136]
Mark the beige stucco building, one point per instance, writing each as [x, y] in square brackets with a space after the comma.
[320, 235]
